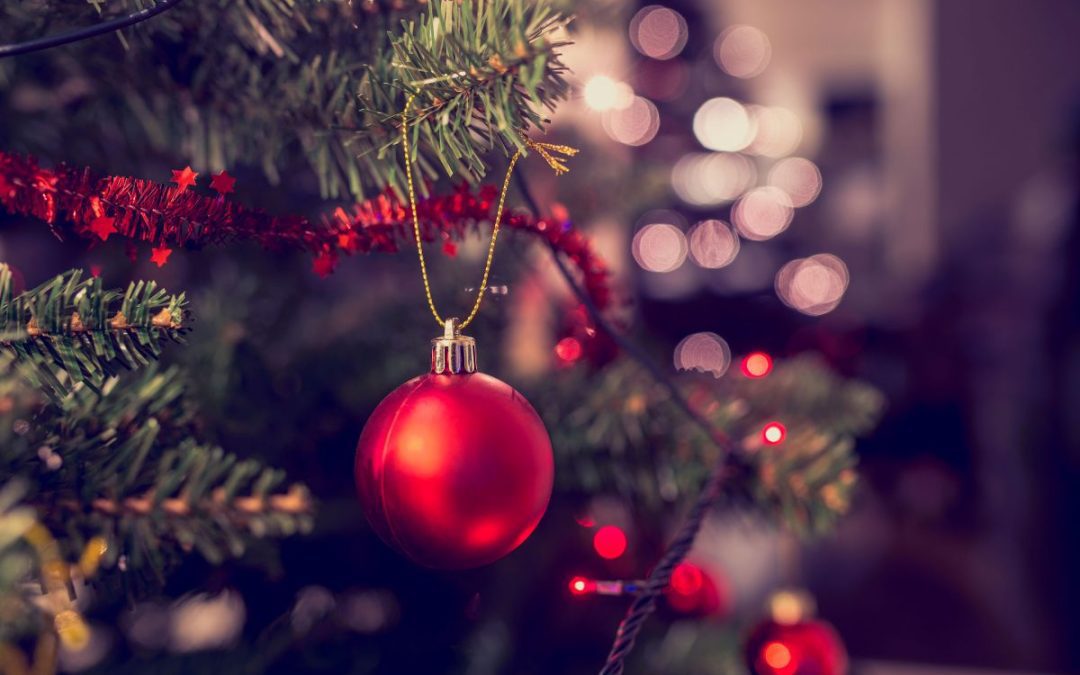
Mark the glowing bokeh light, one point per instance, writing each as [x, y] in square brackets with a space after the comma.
[687, 579]
[603, 93]
[636, 124]
[742, 51]
[704, 353]
[609, 542]
[789, 607]
[762, 213]
[799, 178]
[723, 124]
[713, 244]
[814, 285]
[777, 131]
[757, 364]
[773, 433]
[659, 247]
[579, 585]
[658, 32]
[706, 179]
[776, 655]
[568, 350]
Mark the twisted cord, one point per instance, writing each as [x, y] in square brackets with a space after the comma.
[645, 603]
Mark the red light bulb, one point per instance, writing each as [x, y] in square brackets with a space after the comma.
[609, 542]
[580, 585]
[757, 364]
[568, 350]
[773, 433]
[686, 579]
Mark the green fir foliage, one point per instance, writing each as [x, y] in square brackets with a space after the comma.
[117, 456]
[71, 331]
[283, 84]
[621, 433]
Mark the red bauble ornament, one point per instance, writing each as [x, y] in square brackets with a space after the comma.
[454, 468]
[807, 647]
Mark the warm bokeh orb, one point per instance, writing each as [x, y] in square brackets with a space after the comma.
[742, 51]
[713, 244]
[704, 353]
[658, 32]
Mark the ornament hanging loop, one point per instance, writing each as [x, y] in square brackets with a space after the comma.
[451, 328]
[546, 150]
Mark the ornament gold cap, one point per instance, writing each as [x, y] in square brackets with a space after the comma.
[453, 353]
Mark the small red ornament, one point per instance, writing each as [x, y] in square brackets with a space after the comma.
[792, 643]
[222, 183]
[160, 255]
[804, 648]
[184, 178]
[454, 468]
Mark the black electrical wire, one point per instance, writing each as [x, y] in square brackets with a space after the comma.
[80, 34]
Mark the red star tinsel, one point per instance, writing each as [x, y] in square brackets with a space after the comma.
[184, 178]
[102, 227]
[160, 255]
[70, 200]
[223, 183]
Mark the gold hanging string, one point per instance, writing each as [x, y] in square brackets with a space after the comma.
[546, 150]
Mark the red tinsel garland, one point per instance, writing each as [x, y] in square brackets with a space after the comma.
[74, 200]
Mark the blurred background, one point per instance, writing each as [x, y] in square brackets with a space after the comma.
[931, 147]
[890, 184]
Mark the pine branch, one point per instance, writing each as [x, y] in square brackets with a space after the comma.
[121, 463]
[195, 496]
[16, 519]
[803, 484]
[71, 331]
[272, 84]
[483, 72]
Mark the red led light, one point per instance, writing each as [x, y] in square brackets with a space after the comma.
[686, 579]
[581, 585]
[609, 542]
[568, 350]
[773, 433]
[757, 364]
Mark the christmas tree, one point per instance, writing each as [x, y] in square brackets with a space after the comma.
[209, 230]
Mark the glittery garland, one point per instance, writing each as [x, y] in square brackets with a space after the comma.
[75, 201]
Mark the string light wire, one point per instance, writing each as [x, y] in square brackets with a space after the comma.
[80, 34]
